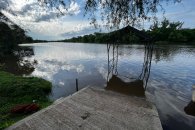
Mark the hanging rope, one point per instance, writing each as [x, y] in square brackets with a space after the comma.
[144, 76]
[113, 62]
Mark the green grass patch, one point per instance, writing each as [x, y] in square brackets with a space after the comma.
[16, 90]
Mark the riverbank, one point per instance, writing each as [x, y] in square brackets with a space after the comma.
[174, 43]
[139, 43]
[15, 90]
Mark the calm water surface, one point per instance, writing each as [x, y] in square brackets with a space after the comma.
[170, 83]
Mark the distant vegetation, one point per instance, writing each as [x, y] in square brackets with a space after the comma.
[123, 35]
[16, 90]
[160, 31]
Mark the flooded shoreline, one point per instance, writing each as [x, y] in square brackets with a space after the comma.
[170, 80]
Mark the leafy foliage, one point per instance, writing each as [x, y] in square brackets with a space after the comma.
[10, 36]
[171, 31]
[6, 42]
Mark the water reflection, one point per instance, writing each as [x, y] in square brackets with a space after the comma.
[134, 86]
[168, 71]
[170, 52]
[145, 74]
[112, 60]
[18, 62]
[190, 108]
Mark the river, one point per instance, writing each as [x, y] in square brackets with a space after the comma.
[170, 78]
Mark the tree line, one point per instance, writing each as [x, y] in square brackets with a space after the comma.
[124, 35]
[171, 31]
[159, 31]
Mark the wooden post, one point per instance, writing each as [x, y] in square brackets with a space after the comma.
[193, 93]
[77, 88]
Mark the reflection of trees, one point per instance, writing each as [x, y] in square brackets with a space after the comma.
[147, 64]
[161, 53]
[190, 108]
[16, 64]
[112, 51]
[167, 52]
[130, 88]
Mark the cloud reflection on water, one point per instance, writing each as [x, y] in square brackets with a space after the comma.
[171, 79]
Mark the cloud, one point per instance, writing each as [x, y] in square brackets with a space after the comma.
[79, 30]
[47, 23]
[42, 23]
[39, 13]
[4, 4]
[31, 10]
[57, 29]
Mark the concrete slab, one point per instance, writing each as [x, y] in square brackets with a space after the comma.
[93, 108]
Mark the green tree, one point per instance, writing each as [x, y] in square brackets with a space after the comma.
[7, 39]
[177, 37]
[10, 37]
[167, 31]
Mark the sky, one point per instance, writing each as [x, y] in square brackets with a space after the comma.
[42, 23]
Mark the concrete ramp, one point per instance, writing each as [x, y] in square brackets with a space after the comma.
[93, 108]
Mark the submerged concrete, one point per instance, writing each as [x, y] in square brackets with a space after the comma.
[93, 108]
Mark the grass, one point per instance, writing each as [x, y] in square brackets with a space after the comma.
[16, 90]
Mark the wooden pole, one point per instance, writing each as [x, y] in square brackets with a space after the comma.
[77, 88]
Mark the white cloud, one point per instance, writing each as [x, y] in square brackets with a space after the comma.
[4, 4]
[44, 22]
[79, 30]
[31, 10]
[60, 30]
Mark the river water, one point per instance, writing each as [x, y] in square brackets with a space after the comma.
[171, 73]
